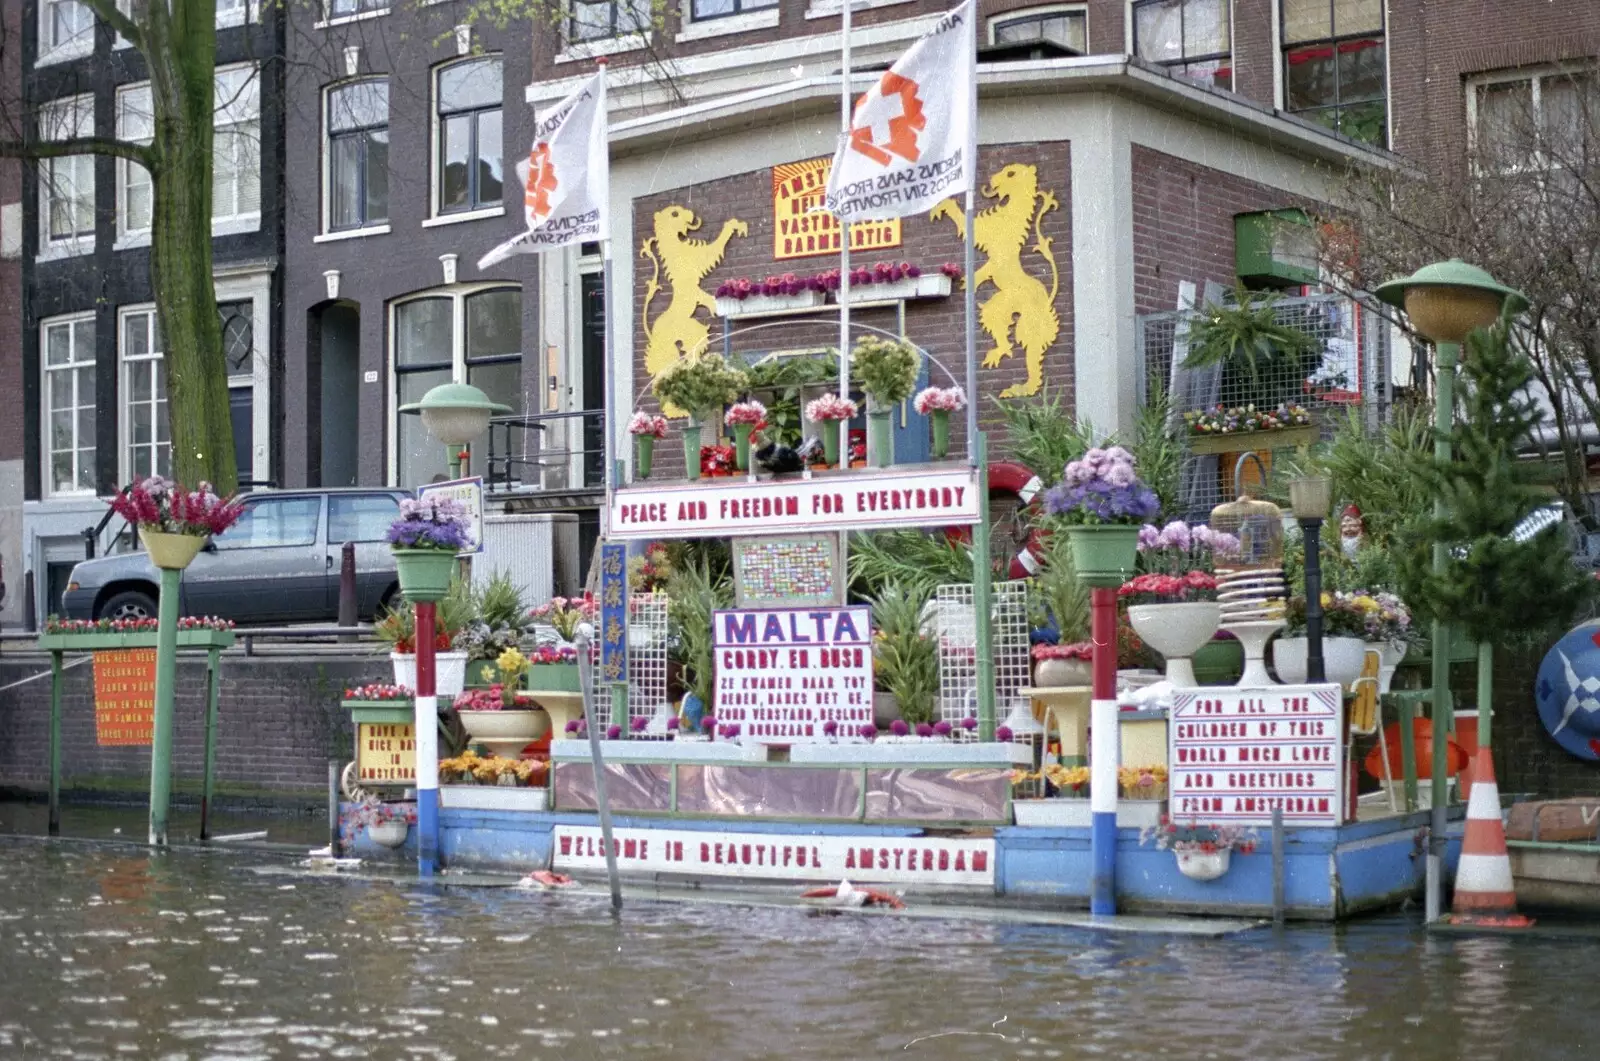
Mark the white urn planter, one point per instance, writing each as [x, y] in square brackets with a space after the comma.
[512, 724]
[1177, 631]
[1342, 659]
[1204, 865]
[391, 833]
[1061, 673]
[449, 671]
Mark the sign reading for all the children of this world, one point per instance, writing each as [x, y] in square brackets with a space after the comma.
[942, 497]
[386, 753]
[782, 675]
[1237, 754]
[124, 696]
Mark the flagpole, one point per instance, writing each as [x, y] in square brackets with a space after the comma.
[844, 242]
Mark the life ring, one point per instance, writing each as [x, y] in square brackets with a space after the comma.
[1019, 481]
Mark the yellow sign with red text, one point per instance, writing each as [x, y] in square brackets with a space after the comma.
[124, 697]
[801, 229]
[386, 753]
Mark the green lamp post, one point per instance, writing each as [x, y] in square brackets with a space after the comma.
[455, 414]
[1445, 302]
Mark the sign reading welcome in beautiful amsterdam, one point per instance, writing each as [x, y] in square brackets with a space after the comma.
[939, 497]
[1236, 754]
[801, 228]
[784, 673]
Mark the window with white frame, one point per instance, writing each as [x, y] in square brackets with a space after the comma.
[1066, 26]
[351, 8]
[473, 336]
[1535, 119]
[1191, 38]
[1335, 66]
[135, 192]
[146, 445]
[69, 408]
[65, 24]
[469, 97]
[66, 185]
[598, 20]
[236, 148]
[700, 10]
[358, 154]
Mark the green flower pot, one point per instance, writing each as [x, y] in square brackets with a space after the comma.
[830, 442]
[882, 445]
[691, 450]
[424, 573]
[553, 678]
[1105, 554]
[644, 453]
[1218, 662]
[939, 420]
[741, 446]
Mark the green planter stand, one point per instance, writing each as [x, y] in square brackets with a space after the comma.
[553, 678]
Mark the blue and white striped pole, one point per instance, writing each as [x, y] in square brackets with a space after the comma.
[1104, 751]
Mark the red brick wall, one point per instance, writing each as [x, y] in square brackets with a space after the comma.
[11, 269]
[936, 324]
[1183, 224]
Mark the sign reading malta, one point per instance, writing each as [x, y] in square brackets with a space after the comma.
[938, 497]
[785, 674]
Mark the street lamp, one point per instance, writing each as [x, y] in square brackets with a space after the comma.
[1446, 301]
[1311, 496]
[455, 414]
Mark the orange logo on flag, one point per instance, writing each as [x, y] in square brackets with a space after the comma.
[541, 182]
[902, 127]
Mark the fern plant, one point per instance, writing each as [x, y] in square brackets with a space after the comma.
[694, 592]
[906, 659]
[1263, 362]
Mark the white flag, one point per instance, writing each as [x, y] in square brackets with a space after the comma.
[565, 178]
[908, 141]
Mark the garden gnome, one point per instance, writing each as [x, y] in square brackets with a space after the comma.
[1351, 531]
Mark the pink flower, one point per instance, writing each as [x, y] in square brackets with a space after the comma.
[645, 424]
[747, 412]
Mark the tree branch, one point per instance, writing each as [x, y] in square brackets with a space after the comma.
[125, 26]
[79, 145]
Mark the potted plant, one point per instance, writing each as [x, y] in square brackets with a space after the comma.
[1204, 852]
[426, 539]
[1262, 362]
[1219, 429]
[886, 371]
[744, 418]
[501, 716]
[1388, 632]
[937, 405]
[174, 523]
[553, 669]
[499, 622]
[1058, 665]
[397, 628]
[828, 411]
[1344, 646]
[1174, 614]
[905, 659]
[702, 385]
[1069, 782]
[646, 430]
[387, 824]
[694, 591]
[1103, 504]
[565, 614]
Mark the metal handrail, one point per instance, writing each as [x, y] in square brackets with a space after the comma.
[503, 468]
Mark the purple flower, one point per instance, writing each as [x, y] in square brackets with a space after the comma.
[708, 723]
[942, 728]
[638, 724]
[830, 728]
[1149, 537]
[1176, 535]
[1003, 733]
[869, 731]
[672, 723]
[969, 723]
[899, 728]
[613, 733]
[924, 730]
[572, 725]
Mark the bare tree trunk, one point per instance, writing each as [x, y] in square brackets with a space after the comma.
[182, 75]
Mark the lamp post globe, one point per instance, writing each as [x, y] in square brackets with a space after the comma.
[1447, 300]
[455, 414]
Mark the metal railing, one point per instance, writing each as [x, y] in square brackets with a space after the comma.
[546, 452]
[349, 638]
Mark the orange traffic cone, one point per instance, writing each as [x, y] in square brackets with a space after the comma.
[1485, 893]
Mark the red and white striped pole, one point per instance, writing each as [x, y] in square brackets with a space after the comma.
[427, 730]
[1104, 752]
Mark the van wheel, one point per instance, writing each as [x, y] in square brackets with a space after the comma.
[129, 604]
[391, 601]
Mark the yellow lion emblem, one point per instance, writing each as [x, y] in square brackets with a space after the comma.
[1021, 304]
[675, 332]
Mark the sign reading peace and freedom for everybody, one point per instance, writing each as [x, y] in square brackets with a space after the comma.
[1237, 754]
[783, 674]
[944, 497]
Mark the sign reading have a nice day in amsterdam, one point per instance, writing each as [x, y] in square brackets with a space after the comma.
[802, 229]
[386, 752]
[837, 502]
[884, 860]
[1235, 754]
[784, 673]
[124, 697]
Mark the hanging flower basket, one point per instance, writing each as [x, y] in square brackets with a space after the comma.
[1204, 865]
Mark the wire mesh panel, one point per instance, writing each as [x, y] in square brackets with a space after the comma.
[953, 615]
[647, 663]
[1268, 404]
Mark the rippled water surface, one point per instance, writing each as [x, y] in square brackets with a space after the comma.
[108, 952]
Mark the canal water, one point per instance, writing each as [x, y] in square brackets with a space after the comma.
[108, 951]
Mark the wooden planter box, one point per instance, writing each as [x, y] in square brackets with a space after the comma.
[760, 305]
[106, 641]
[1241, 441]
[925, 286]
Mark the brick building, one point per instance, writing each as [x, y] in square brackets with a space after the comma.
[11, 434]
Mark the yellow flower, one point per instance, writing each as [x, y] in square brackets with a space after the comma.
[512, 661]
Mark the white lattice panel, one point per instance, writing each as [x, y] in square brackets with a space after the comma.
[647, 662]
[953, 622]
